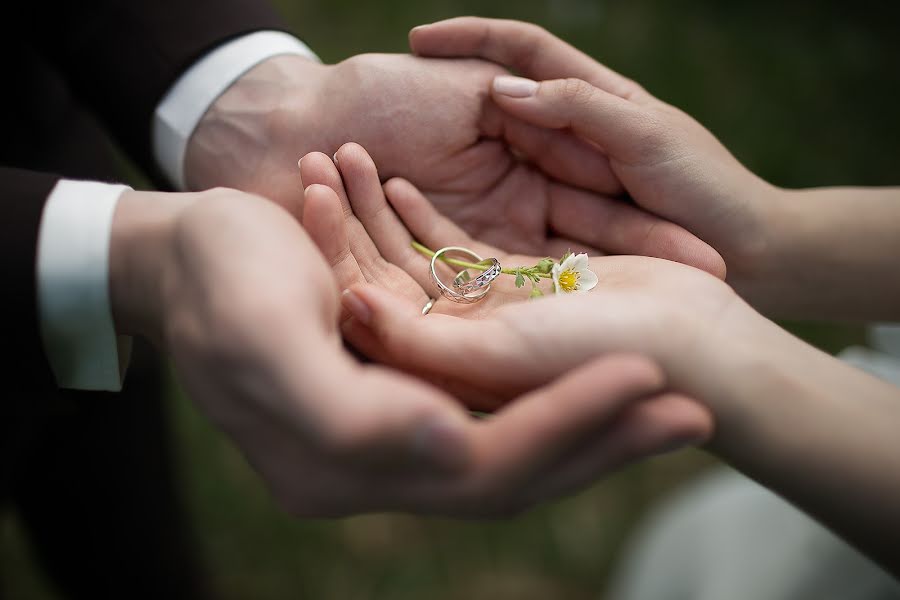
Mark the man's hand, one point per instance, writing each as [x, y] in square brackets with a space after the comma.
[433, 123]
[237, 294]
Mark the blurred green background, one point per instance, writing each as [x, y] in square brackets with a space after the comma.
[805, 93]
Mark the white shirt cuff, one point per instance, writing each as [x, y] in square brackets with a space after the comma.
[188, 99]
[73, 287]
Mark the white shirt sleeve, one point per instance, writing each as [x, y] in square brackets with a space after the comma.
[73, 243]
[76, 320]
[192, 94]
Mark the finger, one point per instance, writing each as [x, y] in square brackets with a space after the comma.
[626, 132]
[317, 168]
[523, 47]
[393, 330]
[394, 423]
[390, 236]
[617, 227]
[324, 222]
[425, 223]
[657, 425]
[517, 446]
[544, 426]
[560, 154]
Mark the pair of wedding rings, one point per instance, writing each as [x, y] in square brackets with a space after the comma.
[465, 288]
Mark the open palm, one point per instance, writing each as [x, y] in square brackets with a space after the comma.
[352, 219]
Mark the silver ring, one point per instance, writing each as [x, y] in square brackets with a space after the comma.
[428, 306]
[464, 283]
[467, 291]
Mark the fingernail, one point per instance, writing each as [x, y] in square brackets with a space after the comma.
[300, 162]
[440, 442]
[356, 306]
[515, 87]
[334, 158]
[419, 27]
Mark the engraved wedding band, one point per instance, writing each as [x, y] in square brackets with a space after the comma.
[466, 289]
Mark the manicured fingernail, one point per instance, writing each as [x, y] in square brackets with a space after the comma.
[515, 87]
[441, 442]
[356, 306]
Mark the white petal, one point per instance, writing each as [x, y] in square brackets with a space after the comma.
[555, 272]
[579, 262]
[566, 265]
[587, 281]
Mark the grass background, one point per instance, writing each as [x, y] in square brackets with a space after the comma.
[805, 93]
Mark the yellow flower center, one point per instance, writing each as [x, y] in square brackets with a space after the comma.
[568, 280]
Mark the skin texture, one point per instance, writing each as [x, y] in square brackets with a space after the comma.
[433, 123]
[236, 293]
[801, 254]
[780, 406]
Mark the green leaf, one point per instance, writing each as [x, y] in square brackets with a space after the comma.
[536, 292]
[520, 279]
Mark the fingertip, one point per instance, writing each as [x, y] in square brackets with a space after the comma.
[354, 160]
[316, 166]
[350, 150]
[510, 86]
[376, 303]
[319, 196]
[672, 422]
[356, 306]
[442, 440]
[405, 197]
[413, 34]
[717, 265]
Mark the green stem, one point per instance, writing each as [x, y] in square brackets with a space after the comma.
[461, 263]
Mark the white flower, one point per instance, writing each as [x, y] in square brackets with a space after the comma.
[573, 275]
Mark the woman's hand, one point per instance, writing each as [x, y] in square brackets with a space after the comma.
[667, 162]
[365, 240]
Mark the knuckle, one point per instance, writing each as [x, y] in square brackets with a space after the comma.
[654, 137]
[576, 91]
[532, 31]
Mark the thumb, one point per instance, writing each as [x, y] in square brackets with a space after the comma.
[626, 131]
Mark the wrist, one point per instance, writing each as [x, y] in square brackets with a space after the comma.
[755, 381]
[271, 105]
[759, 257]
[140, 247]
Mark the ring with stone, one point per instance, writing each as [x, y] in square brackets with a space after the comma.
[465, 288]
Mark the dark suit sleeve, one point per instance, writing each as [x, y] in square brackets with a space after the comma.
[120, 57]
[23, 199]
